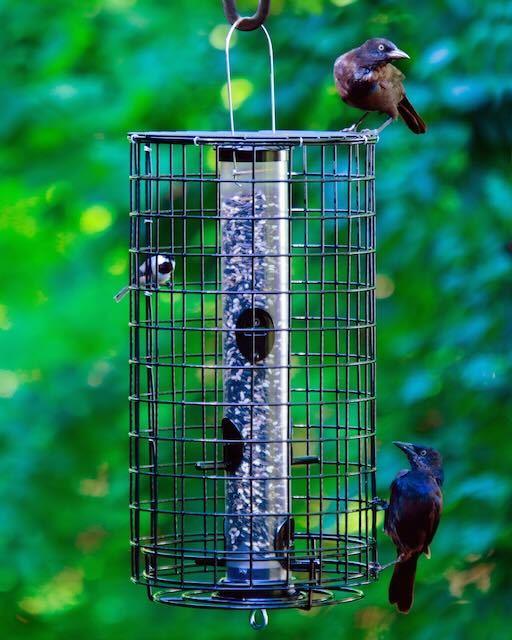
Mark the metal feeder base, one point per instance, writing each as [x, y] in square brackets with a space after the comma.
[301, 599]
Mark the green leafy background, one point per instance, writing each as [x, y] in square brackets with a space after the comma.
[76, 76]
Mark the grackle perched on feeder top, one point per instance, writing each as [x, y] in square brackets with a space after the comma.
[412, 517]
[155, 270]
[365, 79]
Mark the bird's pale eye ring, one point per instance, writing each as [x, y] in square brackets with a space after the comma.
[423, 452]
[381, 47]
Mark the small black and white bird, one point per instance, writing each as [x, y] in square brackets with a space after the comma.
[156, 270]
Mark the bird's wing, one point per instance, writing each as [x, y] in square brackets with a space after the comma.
[413, 513]
[435, 517]
[388, 524]
[344, 69]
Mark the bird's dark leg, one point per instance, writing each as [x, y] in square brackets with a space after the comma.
[386, 124]
[354, 126]
[390, 564]
[380, 503]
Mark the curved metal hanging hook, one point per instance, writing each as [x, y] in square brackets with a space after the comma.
[249, 23]
[272, 81]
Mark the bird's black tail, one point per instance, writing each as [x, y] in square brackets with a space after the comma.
[401, 587]
[411, 118]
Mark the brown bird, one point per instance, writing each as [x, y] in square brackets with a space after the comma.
[365, 79]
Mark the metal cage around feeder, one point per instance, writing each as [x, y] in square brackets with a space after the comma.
[253, 369]
[252, 366]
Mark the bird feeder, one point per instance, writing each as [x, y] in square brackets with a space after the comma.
[252, 371]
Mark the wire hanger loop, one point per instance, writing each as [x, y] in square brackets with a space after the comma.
[248, 23]
[272, 79]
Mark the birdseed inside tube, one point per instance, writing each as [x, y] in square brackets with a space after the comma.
[255, 249]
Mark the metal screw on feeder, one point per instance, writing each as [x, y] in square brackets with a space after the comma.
[252, 376]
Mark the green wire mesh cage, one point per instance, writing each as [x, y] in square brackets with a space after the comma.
[252, 367]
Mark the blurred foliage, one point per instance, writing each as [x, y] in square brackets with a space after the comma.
[77, 75]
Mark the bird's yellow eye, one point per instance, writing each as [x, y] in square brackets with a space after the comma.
[381, 47]
[423, 452]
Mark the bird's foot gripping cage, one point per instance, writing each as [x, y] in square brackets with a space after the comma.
[253, 368]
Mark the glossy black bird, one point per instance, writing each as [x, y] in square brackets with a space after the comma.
[365, 79]
[412, 517]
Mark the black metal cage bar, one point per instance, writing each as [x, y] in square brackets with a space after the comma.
[252, 367]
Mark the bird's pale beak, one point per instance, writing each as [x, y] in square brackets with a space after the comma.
[396, 54]
[406, 447]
